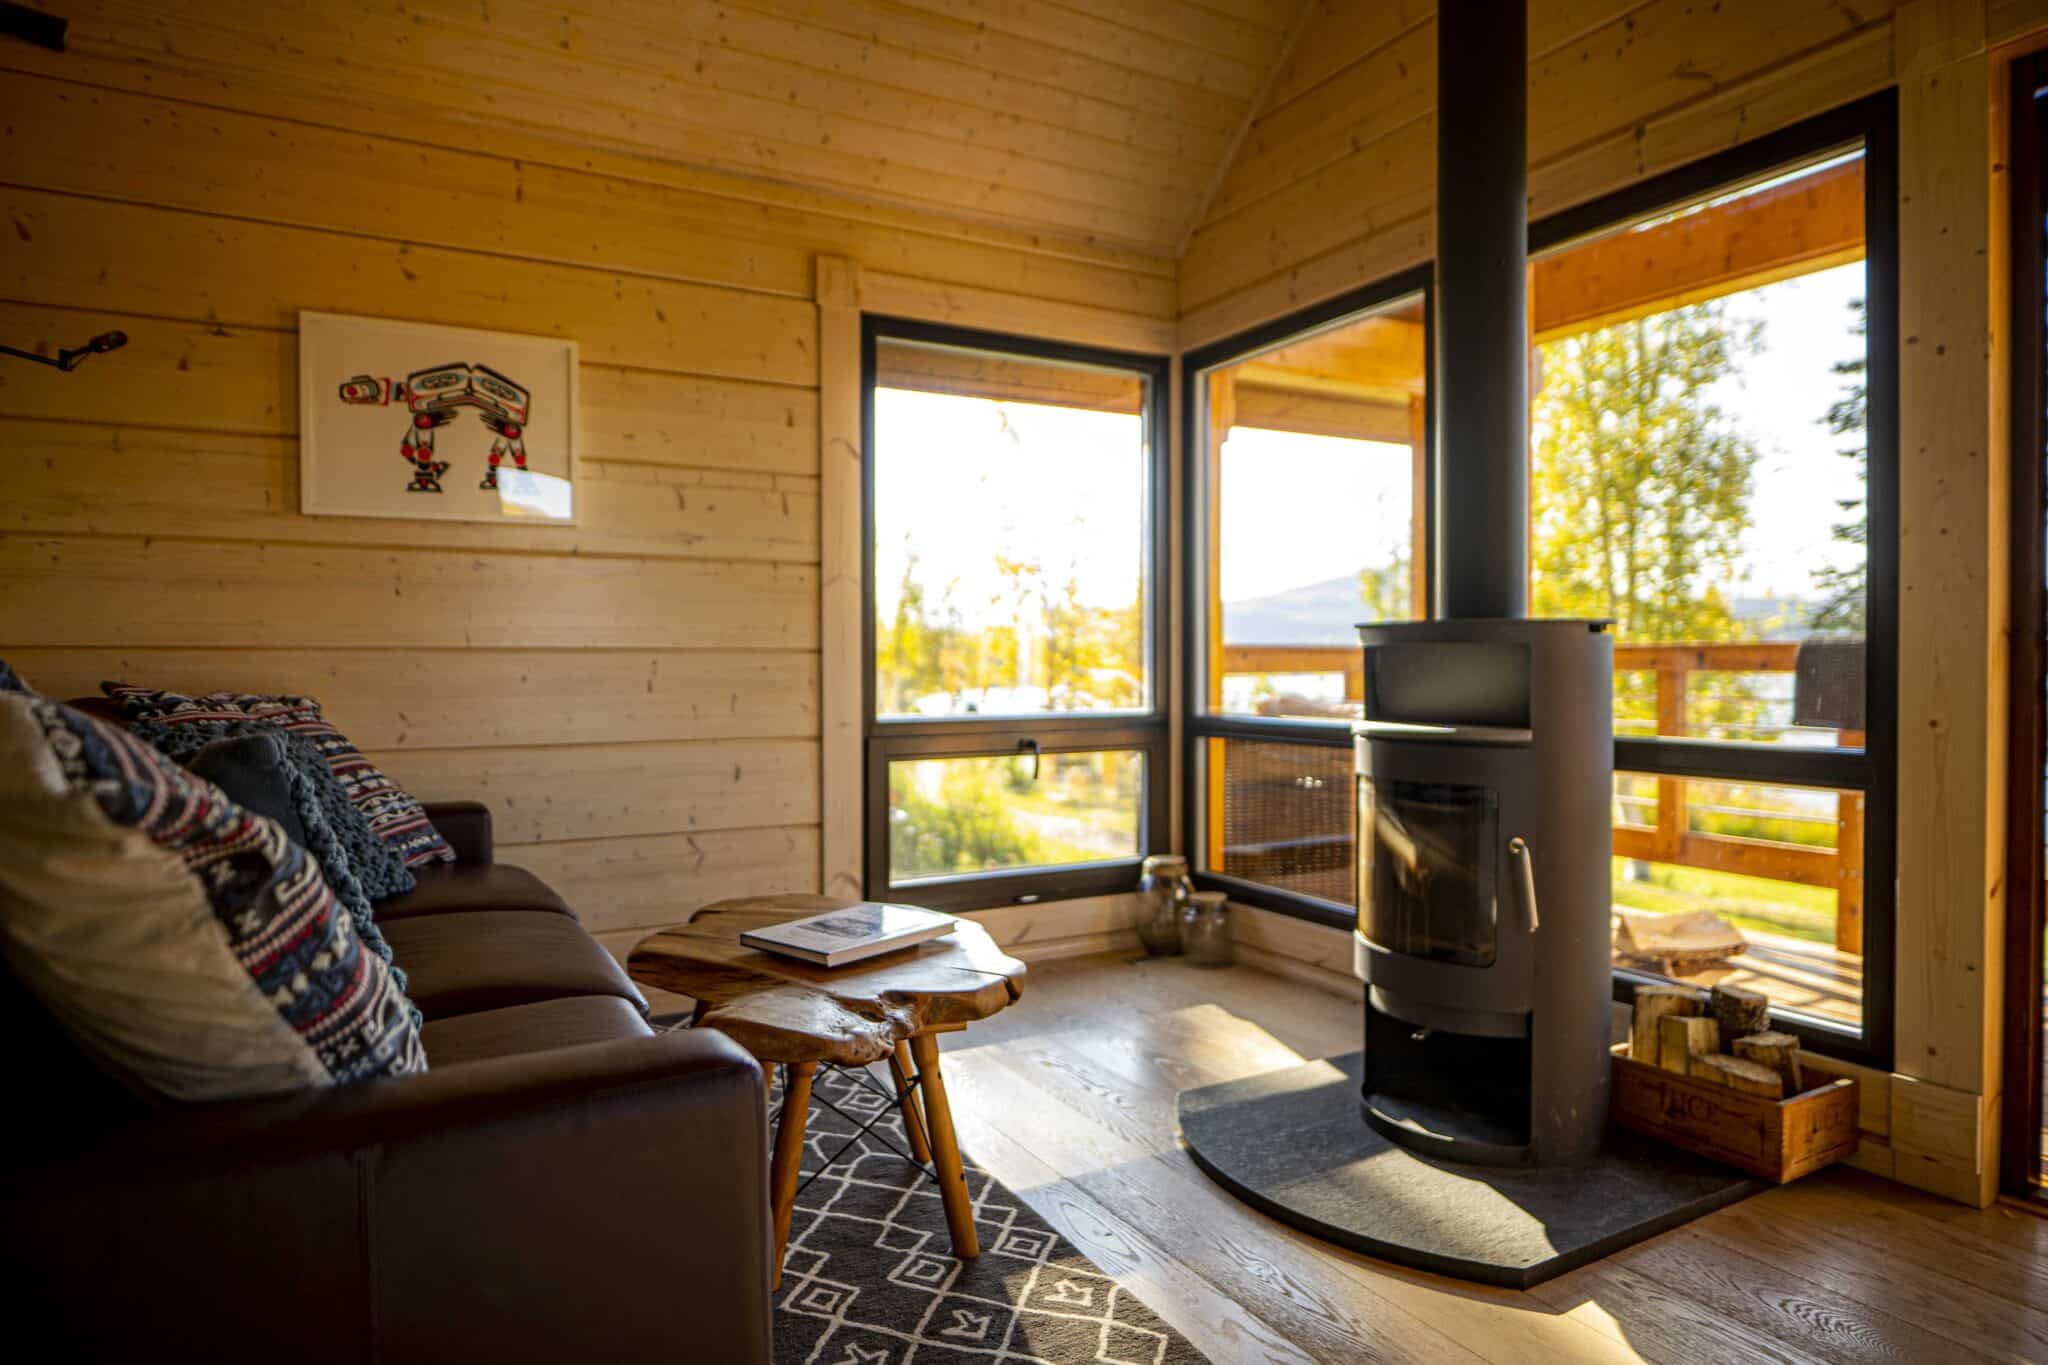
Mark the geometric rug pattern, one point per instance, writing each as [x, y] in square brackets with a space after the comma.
[870, 1278]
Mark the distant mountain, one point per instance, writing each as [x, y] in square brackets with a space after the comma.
[1314, 614]
[1324, 614]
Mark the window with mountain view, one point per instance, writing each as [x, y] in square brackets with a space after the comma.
[1315, 450]
[1698, 475]
[1016, 731]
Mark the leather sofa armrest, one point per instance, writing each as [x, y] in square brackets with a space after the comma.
[604, 1199]
[466, 825]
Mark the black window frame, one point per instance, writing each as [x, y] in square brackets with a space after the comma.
[1198, 725]
[1871, 122]
[1146, 732]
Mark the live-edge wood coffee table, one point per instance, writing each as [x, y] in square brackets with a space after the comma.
[793, 1015]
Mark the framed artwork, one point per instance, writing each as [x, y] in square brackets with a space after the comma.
[407, 419]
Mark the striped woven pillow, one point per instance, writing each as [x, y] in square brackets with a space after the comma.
[395, 816]
[182, 940]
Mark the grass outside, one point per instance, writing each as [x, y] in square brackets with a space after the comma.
[1772, 907]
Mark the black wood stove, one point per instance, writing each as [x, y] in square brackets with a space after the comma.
[1485, 765]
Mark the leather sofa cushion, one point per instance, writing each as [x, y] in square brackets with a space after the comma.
[538, 1027]
[491, 959]
[447, 888]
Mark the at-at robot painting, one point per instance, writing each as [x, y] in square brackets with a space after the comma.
[432, 396]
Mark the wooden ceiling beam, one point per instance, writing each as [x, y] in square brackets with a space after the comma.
[1316, 414]
[1792, 229]
[1011, 379]
[1379, 359]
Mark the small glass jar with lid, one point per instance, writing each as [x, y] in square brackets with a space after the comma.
[1163, 890]
[1205, 930]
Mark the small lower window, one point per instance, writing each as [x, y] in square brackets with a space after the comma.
[951, 817]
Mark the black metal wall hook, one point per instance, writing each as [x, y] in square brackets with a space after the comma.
[70, 357]
[32, 26]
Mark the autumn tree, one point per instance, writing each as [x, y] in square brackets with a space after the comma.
[1641, 484]
[1640, 490]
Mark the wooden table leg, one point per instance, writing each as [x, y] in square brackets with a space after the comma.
[789, 1152]
[900, 1069]
[924, 1047]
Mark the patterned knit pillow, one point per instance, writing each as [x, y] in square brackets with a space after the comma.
[397, 818]
[350, 855]
[181, 940]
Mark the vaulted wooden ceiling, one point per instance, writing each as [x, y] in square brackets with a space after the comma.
[1105, 120]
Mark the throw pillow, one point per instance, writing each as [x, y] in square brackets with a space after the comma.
[253, 772]
[374, 863]
[398, 819]
[182, 941]
[330, 827]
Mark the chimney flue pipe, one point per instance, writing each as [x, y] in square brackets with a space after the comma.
[1482, 308]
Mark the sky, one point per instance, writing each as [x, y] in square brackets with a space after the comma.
[963, 480]
[1780, 398]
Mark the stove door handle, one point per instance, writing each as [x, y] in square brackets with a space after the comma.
[1518, 848]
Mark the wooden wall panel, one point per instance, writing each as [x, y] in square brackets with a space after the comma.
[104, 479]
[1954, 607]
[1007, 117]
[638, 696]
[87, 590]
[1337, 180]
[609, 791]
[455, 697]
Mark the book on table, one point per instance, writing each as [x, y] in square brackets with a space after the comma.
[838, 937]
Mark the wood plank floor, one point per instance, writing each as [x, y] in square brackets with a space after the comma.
[1068, 1098]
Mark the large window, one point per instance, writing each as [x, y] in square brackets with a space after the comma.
[1711, 467]
[1016, 728]
[1308, 458]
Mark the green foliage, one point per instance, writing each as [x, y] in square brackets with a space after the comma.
[968, 828]
[1640, 489]
[1641, 484]
[1087, 658]
[1388, 592]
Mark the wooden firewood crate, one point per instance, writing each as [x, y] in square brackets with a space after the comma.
[1776, 1139]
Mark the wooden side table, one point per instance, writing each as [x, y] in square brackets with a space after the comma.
[794, 1015]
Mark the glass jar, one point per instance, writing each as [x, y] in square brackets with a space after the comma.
[1205, 930]
[1163, 889]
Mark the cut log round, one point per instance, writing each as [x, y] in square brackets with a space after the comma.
[1681, 1038]
[1752, 1078]
[1778, 1051]
[1652, 1005]
[1740, 1011]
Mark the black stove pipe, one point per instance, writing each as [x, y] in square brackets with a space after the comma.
[1482, 308]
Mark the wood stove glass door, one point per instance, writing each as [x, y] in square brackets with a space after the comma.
[1426, 869]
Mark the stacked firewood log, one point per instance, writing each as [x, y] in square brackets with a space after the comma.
[1723, 1037]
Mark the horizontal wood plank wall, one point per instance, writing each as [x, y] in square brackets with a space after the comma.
[1103, 123]
[637, 697]
[1334, 186]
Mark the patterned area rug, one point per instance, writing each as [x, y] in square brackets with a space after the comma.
[870, 1277]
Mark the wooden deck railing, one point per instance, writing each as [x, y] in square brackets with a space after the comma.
[1671, 837]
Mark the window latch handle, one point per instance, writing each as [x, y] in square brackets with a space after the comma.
[1030, 746]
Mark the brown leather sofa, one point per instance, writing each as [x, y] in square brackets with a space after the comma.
[564, 1183]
